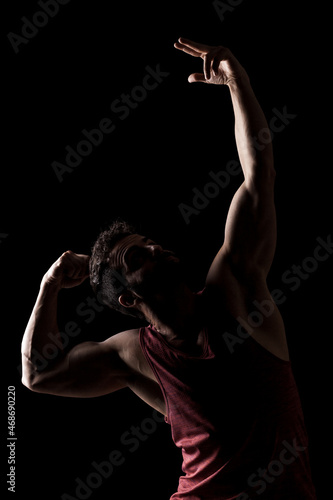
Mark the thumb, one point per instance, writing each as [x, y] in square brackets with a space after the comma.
[197, 77]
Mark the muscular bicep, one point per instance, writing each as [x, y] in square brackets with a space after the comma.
[88, 370]
[250, 233]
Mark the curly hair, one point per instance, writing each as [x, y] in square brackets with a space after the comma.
[106, 281]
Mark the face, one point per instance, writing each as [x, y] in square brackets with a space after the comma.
[148, 268]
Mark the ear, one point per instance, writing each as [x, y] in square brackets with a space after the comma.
[127, 299]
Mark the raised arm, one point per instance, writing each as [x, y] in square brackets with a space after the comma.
[250, 230]
[90, 368]
[238, 273]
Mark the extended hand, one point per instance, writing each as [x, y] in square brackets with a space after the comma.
[70, 270]
[220, 66]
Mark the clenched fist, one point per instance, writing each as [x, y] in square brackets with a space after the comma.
[70, 270]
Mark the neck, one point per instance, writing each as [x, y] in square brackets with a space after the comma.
[176, 316]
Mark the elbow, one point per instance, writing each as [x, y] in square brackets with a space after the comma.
[31, 381]
[27, 384]
[26, 374]
[31, 377]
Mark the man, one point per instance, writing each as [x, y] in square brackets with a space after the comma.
[221, 376]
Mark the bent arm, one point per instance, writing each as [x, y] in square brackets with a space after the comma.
[250, 229]
[239, 270]
[89, 369]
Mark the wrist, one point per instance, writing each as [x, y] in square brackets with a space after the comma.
[49, 284]
[239, 83]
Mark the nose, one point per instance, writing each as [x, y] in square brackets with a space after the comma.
[156, 250]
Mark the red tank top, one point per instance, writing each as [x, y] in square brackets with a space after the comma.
[236, 417]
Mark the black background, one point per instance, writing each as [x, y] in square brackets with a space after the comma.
[63, 81]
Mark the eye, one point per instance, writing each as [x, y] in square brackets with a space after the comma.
[137, 258]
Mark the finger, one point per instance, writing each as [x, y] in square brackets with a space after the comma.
[215, 65]
[198, 47]
[212, 62]
[82, 263]
[207, 65]
[69, 282]
[76, 265]
[197, 77]
[188, 50]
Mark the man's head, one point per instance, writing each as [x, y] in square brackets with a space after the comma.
[128, 270]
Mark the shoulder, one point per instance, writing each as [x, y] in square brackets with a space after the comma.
[127, 339]
[126, 345]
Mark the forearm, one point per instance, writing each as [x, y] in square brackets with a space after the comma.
[42, 329]
[252, 133]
